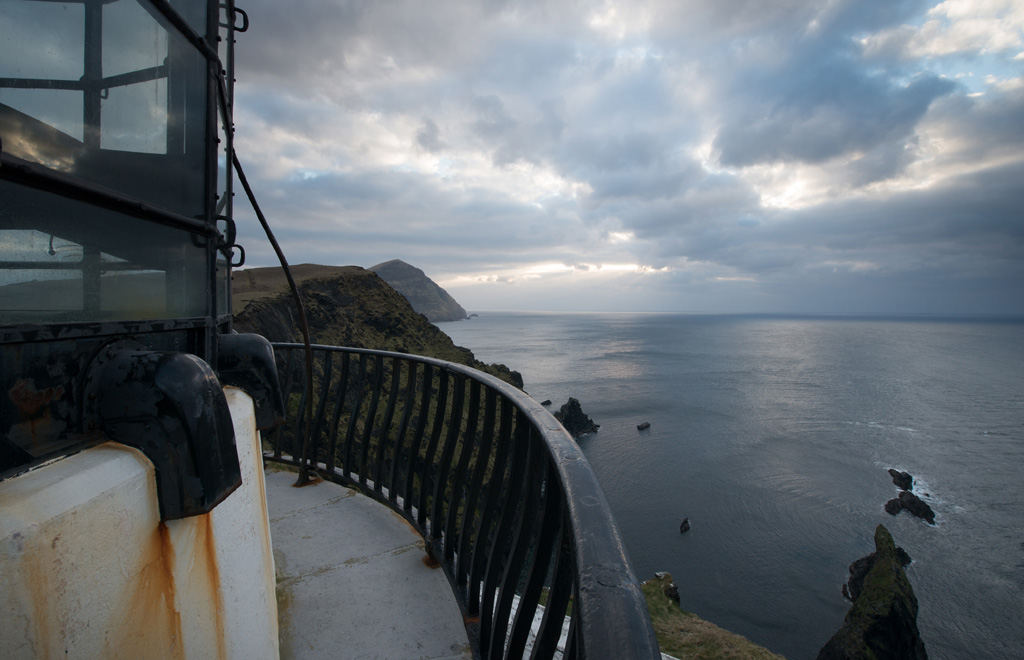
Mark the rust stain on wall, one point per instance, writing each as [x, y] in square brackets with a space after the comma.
[42, 593]
[206, 546]
[146, 618]
[142, 620]
[28, 399]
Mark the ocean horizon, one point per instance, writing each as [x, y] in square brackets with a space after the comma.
[773, 434]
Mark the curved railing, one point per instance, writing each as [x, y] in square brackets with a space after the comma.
[503, 497]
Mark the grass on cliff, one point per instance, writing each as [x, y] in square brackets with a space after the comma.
[345, 306]
[685, 635]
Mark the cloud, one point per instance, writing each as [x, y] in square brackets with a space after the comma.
[831, 112]
[954, 27]
[734, 155]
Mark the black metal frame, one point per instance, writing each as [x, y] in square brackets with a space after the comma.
[59, 358]
[218, 102]
[502, 495]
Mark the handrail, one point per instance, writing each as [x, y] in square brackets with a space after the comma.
[503, 497]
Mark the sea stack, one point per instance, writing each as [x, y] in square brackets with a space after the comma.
[882, 622]
[912, 503]
[902, 480]
[574, 420]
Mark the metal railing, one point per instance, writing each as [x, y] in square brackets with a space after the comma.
[503, 497]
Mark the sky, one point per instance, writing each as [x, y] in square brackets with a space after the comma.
[793, 156]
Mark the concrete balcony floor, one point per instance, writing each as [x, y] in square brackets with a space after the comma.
[351, 579]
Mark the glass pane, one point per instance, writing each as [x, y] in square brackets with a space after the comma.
[132, 39]
[135, 118]
[42, 40]
[29, 114]
[63, 261]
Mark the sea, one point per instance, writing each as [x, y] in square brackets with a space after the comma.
[774, 434]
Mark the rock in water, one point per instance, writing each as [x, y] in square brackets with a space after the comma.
[642, 426]
[684, 526]
[917, 506]
[882, 622]
[574, 420]
[911, 503]
[903, 480]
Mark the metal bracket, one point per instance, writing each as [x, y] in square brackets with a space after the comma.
[247, 362]
[171, 407]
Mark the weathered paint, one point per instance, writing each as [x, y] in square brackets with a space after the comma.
[243, 546]
[88, 570]
[89, 573]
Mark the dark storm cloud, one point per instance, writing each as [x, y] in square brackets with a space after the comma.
[971, 226]
[825, 113]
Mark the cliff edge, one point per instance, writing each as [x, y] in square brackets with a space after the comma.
[345, 306]
[686, 635]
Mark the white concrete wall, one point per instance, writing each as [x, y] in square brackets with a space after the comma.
[88, 570]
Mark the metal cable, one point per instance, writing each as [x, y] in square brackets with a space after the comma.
[303, 325]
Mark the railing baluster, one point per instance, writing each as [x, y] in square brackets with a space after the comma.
[339, 410]
[371, 417]
[384, 433]
[403, 425]
[494, 617]
[429, 468]
[321, 407]
[471, 520]
[572, 645]
[483, 545]
[559, 593]
[458, 482]
[540, 560]
[357, 407]
[444, 462]
[426, 395]
[286, 392]
[521, 545]
[300, 425]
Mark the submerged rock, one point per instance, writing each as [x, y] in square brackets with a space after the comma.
[684, 526]
[903, 480]
[643, 426]
[882, 622]
[574, 420]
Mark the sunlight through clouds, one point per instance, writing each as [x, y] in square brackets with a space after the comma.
[650, 155]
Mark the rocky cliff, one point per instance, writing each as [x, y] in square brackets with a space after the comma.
[882, 623]
[345, 306]
[685, 635]
[425, 296]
